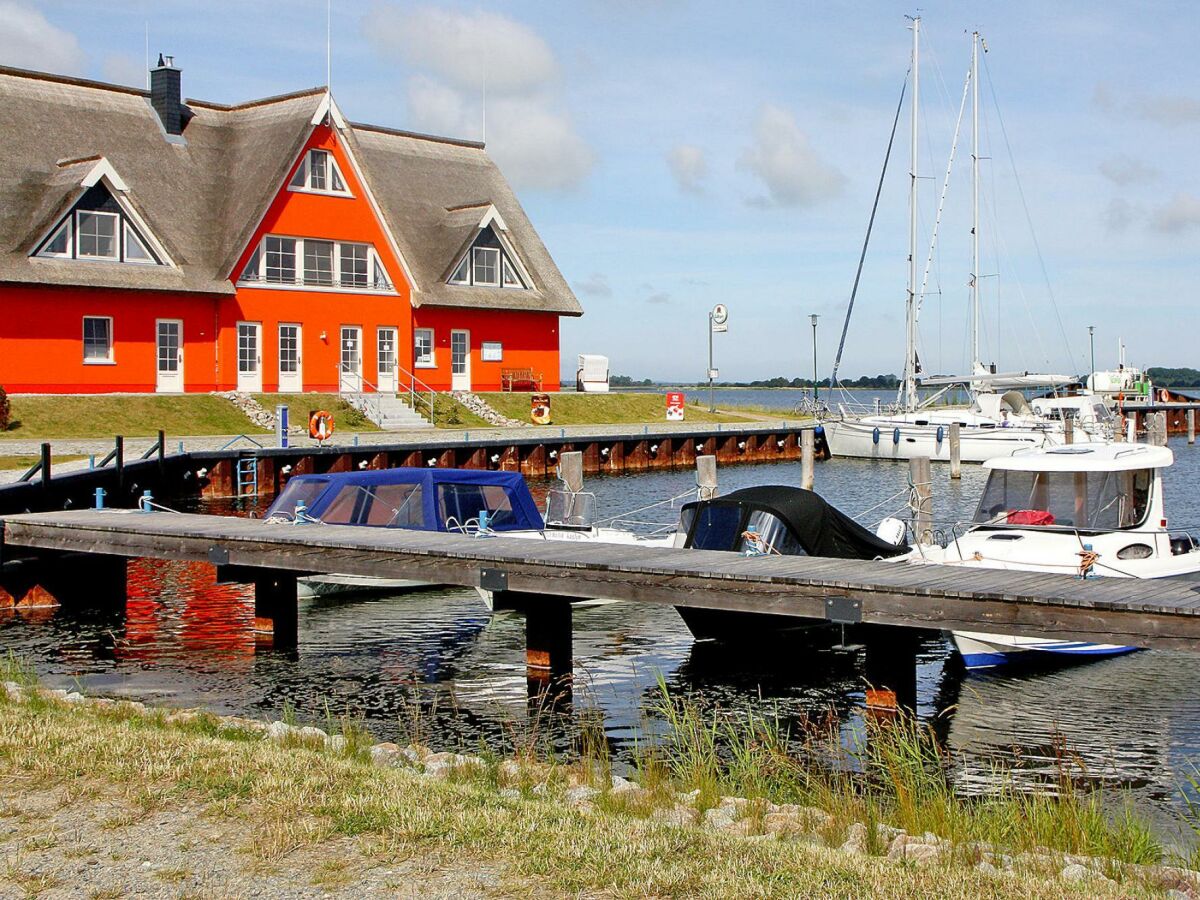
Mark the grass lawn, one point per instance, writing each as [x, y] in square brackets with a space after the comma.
[604, 409]
[345, 416]
[22, 463]
[133, 415]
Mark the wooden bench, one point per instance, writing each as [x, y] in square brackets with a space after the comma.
[520, 379]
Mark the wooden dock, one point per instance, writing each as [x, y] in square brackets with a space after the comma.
[1158, 613]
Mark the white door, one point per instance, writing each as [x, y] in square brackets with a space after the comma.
[291, 371]
[387, 360]
[249, 378]
[169, 378]
[460, 360]
[351, 365]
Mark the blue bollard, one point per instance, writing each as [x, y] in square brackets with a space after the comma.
[356, 440]
[145, 501]
[99, 498]
[92, 461]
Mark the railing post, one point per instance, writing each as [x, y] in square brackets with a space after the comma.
[45, 466]
[119, 462]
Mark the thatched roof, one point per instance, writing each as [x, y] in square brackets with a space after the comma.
[203, 197]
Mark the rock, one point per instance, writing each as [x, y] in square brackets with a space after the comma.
[541, 788]
[309, 733]
[790, 818]
[739, 805]
[719, 817]
[386, 755]
[986, 867]
[689, 797]
[136, 707]
[577, 796]
[443, 765]
[414, 753]
[679, 815]
[278, 731]
[510, 770]
[885, 834]
[743, 828]
[856, 839]
[480, 407]
[1176, 894]
[336, 742]
[54, 694]
[620, 785]
[1076, 872]
[921, 852]
[510, 794]
[13, 690]
[897, 847]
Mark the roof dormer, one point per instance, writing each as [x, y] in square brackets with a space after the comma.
[489, 259]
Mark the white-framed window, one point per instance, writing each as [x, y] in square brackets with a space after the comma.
[61, 242]
[423, 353]
[318, 172]
[96, 235]
[487, 266]
[97, 339]
[491, 351]
[462, 273]
[316, 263]
[135, 248]
[511, 278]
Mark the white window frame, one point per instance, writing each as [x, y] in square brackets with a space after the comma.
[126, 232]
[377, 280]
[303, 174]
[109, 360]
[431, 362]
[476, 252]
[491, 351]
[67, 225]
[505, 262]
[116, 217]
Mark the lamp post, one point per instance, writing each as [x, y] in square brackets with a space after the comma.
[717, 318]
[816, 390]
[1092, 342]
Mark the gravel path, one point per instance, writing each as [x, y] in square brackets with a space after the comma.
[72, 842]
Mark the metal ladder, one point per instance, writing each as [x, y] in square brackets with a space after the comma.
[247, 476]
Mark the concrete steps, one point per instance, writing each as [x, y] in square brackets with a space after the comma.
[388, 411]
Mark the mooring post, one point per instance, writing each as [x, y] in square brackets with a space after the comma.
[807, 443]
[549, 661]
[162, 460]
[570, 470]
[890, 668]
[1191, 426]
[706, 477]
[119, 465]
[45, 471]
[1068, 430]
[1131, 428]
[275, 613]
[955, 450]
[921, 502]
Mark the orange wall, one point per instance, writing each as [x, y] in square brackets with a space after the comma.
[529, 341]
[41, 339]
[299, 214]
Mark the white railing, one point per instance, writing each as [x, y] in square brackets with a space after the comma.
[422, 399]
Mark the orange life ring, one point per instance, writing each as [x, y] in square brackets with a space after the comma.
[1164, 395]
[320, 425]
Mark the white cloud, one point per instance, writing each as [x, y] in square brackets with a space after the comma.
[1119, 215]
[689, 166]
[1180, 215]
[122, 69]
[531, 138]
[1165, 109]
[1124, 169]
[782, 157]
[29, 41]
[469, 50]
[595, 285]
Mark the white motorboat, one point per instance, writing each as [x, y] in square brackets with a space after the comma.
[1093, 510]
[999, 421]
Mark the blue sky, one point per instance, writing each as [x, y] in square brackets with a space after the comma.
[678, 154]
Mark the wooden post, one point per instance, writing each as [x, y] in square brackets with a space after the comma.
[1191, 426]
[1068, 430]
[1157, 429]
[119, 463]
[890, 669]
[1131, 428]
[955, 450]
[920, 473]
[45, 471]
[570, 470]
[275, 613]
[549, 662]
[807, 444]
[706, 477]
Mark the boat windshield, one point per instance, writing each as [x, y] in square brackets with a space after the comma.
[298, 492]
[378, 505]
[718, 527]
[1092, 501]
[462, 503]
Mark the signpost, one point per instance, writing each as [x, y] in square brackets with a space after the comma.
[675, 400]
[716, 322]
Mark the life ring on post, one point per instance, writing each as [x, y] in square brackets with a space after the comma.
[320, 425]
[1164, 396]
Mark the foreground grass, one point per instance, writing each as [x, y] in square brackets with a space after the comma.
[46, 418]
[285, 798]
[604, 409]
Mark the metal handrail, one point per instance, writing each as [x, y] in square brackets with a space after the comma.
[416, 389]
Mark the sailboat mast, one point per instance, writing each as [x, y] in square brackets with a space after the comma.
[976, 363]
[910, 360]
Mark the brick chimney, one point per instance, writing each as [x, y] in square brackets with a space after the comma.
[165, 96]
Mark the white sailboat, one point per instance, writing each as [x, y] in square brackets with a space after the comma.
[999, 421]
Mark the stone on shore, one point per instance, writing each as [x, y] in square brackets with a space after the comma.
[856, 839]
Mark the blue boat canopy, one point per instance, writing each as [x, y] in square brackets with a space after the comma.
[423, 499]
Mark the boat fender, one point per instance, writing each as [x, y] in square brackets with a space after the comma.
[895, 435]
[819, 431]
[941, 433]
[875, 436]
[320, 425]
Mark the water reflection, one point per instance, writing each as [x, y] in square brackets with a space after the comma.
[1129, 722]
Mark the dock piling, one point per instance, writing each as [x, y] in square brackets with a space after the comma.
[570, 470]
[921, 477]
[955, 451]
[807, 443]
[1068, 430]
[890, 669]
[706, 477]
[275, 613]
[549, 659]
[1191, 426]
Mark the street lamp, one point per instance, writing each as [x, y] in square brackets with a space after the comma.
[1092, 341]
[717, 318]
[816, 389]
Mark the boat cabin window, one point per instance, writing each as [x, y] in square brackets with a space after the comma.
[463, 502]
[719, 527]
[379, 505]
[298, 492]
[1094, 501]
[774, 535]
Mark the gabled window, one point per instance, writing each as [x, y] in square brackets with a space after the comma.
[487, 263]
[318, 172]
[315, 263]
[98, 228]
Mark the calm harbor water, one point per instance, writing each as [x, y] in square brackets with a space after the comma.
[1132, 723]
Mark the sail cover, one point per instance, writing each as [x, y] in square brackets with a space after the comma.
[820, 529]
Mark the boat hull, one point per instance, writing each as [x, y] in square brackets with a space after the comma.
[857, 439]
[986, 651]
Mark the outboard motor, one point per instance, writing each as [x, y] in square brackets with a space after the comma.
[892, 530]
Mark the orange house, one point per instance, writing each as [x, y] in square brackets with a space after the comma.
[149, 244]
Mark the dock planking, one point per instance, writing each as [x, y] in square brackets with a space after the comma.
[1163, 613]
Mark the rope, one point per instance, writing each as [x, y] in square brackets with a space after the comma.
[625, 515]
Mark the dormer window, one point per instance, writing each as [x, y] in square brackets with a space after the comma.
[100, 229]
[318, 173]
[488, 263]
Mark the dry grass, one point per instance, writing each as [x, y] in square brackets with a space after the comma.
[284, 799]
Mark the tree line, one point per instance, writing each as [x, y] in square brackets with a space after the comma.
[1181, 377]
[884, 382]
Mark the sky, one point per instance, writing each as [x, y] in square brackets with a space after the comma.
[674, 155]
